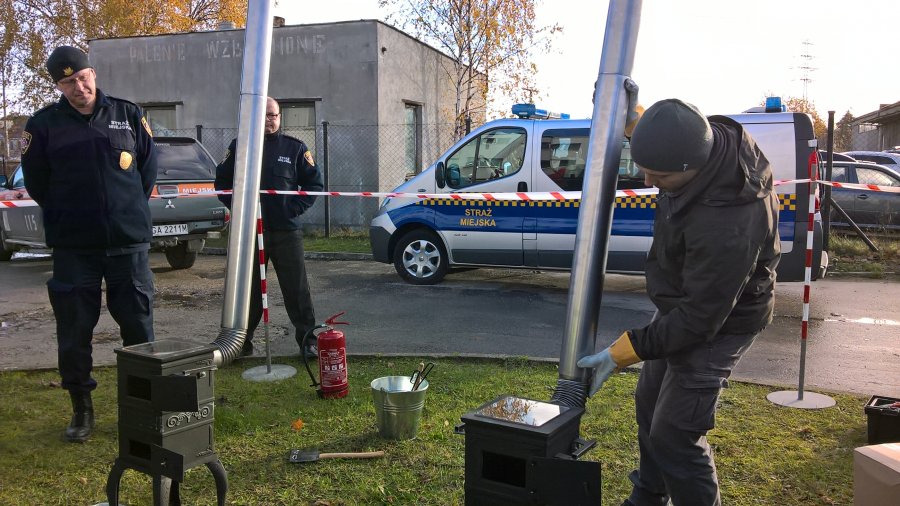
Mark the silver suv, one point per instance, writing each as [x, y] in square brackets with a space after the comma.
[889, 160]
[181, 225]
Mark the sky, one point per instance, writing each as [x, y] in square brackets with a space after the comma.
[724, 56]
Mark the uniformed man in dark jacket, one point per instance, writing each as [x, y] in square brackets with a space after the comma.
[711, 274]
[89, 162]
[287, 164]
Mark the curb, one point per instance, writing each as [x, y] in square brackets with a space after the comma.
[310, 255]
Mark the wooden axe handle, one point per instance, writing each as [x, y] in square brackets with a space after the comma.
[362, 455]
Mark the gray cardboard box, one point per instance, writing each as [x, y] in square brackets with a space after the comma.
[876, 475]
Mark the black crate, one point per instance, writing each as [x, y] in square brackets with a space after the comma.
[883, 420]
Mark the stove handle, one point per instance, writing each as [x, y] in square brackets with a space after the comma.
[200, 372]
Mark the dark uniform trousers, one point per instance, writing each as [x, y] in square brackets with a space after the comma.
[74, 292]
[285, 249]
[675, 404]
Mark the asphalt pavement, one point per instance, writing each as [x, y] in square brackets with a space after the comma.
[853, 344]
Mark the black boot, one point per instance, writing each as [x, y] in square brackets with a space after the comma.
[79, 430]
[247, 348]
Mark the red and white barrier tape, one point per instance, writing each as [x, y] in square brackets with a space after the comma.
[518, 196]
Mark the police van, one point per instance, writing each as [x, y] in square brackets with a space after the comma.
[544, 152]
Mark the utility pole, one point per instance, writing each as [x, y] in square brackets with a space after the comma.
[806, 67]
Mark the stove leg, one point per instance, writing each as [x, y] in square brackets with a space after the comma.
[162, 487]
[221, 477]
[175, 495]
[112, 483]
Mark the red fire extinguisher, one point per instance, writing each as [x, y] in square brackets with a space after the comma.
[332, 346]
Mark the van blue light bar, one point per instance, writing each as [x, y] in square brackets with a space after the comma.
[773, 104]
[529, 111]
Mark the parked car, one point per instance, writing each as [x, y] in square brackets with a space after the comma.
[868, 208]
[889, 160]
[181, 225]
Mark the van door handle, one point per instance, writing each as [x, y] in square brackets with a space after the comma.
[523, 187]
[862, 196]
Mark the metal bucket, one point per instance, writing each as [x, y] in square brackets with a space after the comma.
[397, 408]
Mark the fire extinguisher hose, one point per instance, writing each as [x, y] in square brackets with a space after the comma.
[303, 355]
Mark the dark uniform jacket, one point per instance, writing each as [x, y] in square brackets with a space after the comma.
[286, 165]
[92, 176]
[711, 267]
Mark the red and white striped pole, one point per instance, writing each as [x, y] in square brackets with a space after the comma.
[791, 398]
[263, 287]
[280, 371]
[807, 274]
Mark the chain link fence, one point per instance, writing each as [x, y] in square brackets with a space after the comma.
[352, 158]
[867, 137]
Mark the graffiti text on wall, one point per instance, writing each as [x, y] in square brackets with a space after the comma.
[157, 53]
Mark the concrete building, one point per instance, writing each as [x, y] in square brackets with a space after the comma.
[387, 98]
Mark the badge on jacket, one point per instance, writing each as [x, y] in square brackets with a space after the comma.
[308, 157]
[125, 160]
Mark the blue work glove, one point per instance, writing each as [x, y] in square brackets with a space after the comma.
[603, 365]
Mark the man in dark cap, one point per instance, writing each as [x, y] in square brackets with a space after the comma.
[89, 162]
[711, 274]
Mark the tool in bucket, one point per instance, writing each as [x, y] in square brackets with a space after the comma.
[301, 456]
[420, 374]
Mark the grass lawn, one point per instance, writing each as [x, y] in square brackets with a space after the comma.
[340, 241]
[766, 454]
[849, 253]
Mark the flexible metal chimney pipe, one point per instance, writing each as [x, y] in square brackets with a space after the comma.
[247, 168]
[598, 198]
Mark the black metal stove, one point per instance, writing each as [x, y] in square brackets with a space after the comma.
[522, 451]
[166, 409]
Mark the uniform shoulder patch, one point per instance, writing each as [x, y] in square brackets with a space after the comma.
[146, 126]
[26, 141]
[308, 157]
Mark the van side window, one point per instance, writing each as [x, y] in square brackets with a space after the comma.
[564, 157]
[492, 155]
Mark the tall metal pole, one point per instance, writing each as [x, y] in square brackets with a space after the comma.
[611, 100]
[247, 170]
[826, 199]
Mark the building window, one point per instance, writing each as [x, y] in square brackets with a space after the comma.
[298, 115]
[161, 118]
[412, 138]
[867, 127]
[298, 119]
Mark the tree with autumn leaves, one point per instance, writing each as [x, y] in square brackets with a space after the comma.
[33, 28]
[492, 44]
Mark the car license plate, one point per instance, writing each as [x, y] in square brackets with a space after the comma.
[180, 228]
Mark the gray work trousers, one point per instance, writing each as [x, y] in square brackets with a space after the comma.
[675, 404]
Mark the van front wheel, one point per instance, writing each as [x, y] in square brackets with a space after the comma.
[420, 258]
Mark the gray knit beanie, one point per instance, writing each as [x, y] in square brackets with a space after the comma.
[671, 136]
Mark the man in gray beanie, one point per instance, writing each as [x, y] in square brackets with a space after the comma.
[711, 274]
